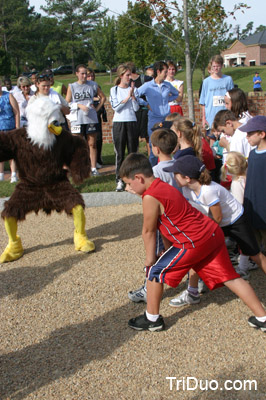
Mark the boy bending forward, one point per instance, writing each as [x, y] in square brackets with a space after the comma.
[191, 240]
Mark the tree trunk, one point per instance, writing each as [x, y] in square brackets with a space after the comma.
[188, 64]
[17, 65]
[72, 60]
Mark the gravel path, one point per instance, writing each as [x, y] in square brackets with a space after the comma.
[64, 316]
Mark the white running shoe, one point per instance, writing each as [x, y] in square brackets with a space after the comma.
[138, 295]
[184, 299]
[244, 274]
[120, 186]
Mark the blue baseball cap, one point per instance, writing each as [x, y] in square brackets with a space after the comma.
[190, 166]
[163, 124]
[254, 124]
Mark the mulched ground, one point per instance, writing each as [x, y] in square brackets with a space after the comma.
[64, 317]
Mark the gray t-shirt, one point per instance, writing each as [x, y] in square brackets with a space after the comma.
[167, 177]
[83, 94]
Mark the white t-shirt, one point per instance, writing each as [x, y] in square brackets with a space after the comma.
[213, 194]
[240, 143]
[176, 83]
[238, 188]
[245, 116]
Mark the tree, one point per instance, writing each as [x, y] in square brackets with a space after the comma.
[260, 28]
[209, 15]
[247, 31]
[76, 19]
[16, 21]
[5, 64]
[137, 41]
[208, 31]
[104, 43]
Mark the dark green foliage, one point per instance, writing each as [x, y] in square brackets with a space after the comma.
[137, 40]
[5, 63]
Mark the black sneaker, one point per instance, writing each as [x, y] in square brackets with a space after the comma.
[257, 324]
[141, 323]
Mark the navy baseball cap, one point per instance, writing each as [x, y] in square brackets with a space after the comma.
[190, 166]
[163, 124]
[254, 124]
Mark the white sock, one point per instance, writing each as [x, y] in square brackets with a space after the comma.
[261, 319]
[192, 290]
[1, 176]
[93, 169]
[243, 262]
[152, 317]
[13, 174]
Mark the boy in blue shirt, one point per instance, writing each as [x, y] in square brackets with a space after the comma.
[213, 90]
[255, 190]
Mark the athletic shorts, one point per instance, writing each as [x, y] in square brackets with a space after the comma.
[84, 129]
[211, 261]
[176, 109]
[244, 235]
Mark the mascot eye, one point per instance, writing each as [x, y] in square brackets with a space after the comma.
[55, 123]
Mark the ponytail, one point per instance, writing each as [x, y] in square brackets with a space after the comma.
[191, 133]
[205, 178]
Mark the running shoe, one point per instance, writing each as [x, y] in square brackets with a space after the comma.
[141, 323]
[252, 321]
[184, 299]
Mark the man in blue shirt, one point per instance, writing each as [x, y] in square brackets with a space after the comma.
[257, 83]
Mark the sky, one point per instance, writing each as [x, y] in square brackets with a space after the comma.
[256, 13]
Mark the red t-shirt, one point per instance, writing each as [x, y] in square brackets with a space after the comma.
[183, 225]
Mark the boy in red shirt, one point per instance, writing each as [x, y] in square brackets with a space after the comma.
[191, 240]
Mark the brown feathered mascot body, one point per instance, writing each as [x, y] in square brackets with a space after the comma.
[41, 151]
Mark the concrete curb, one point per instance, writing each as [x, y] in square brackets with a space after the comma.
[100, 199]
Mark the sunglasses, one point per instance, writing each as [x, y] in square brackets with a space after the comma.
[43, 77]
[24, 86]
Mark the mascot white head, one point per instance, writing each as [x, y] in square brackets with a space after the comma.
[44, 119]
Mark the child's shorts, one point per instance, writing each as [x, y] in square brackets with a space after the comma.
[243, 234]
[211, 261]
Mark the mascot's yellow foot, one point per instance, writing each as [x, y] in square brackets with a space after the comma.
[13, 251]
[82, 243]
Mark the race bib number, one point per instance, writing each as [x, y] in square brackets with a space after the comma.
[218, 101]
[75, 129]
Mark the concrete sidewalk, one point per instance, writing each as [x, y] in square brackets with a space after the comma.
[98, 199]
[101, 199]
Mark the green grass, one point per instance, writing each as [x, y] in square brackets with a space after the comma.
[242, 76]
[102, 183]
[6, 188]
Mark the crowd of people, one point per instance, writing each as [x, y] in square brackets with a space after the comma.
[202, 187]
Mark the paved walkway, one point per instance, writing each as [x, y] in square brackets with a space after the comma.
[98, 199]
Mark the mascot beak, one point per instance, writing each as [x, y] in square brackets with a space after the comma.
[55, 128]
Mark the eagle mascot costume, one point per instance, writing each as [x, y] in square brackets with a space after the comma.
[42, 150]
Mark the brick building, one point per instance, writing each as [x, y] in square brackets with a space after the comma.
[250, 51]
[256, 102]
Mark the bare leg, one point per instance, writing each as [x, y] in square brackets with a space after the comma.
[2, 171]
[193, 278]
[260, 259]
[93, 149]
[13, 167]
[245, 292]
[154, 296]
[148, 146]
